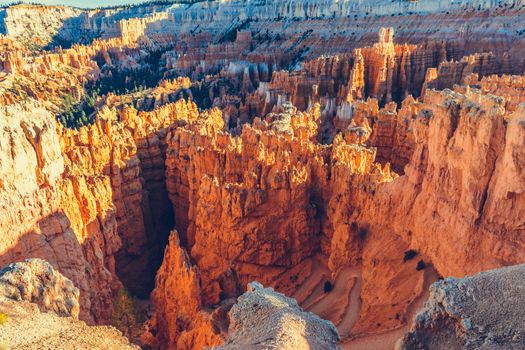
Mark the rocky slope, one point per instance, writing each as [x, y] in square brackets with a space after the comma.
[264, 319]
[36, 281]
[478, 312]
[39, 309]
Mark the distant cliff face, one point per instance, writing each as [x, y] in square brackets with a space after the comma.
[36, 26]
[357, 21]
[219, 143]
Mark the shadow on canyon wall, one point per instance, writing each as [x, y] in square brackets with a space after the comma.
[86, 264]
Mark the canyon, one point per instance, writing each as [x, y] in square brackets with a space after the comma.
[358, 160]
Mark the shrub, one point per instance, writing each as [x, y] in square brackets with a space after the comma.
[3, 318]
[420, 265]
[328, 287]
[363, 231]
[409, 255]
[77, 114]
[125, 316]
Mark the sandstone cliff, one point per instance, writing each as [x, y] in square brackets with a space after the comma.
[342, 168]
[87, 196]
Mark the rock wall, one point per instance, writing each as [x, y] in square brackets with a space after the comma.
[240, 225]
[241, 189]
[291, 161]
[87, 196]
[260, 204]
[37, 26]
[448, 135]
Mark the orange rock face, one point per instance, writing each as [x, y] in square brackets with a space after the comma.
[179, 322]
[350, 181]
[88, 192]
[242, 226]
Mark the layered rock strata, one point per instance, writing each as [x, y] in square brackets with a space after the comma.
[87, 196]
[346, 187]
[358, 205]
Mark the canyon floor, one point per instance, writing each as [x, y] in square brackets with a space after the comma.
[184, 175]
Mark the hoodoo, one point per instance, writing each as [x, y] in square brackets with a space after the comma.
[363, 161]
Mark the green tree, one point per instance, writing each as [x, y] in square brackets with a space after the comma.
[125, 315]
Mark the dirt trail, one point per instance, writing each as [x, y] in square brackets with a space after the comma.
[333, 305]
[312, 289]
[386, 341]
[343, 303]
[352, 312]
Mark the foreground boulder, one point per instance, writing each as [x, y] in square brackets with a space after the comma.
[479, 312]
[39, 310]
[36, 281]
[265, 319]
[25, 327]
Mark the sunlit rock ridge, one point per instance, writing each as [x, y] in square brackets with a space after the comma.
[358, 159]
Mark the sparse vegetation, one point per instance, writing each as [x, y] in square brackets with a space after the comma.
[328, 287]
[363, 231]
[409, 255]
[421, 265]
[3, 318]
[76, 114]
[125, 315]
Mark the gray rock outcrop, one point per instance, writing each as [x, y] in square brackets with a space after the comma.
[36, 281]
[265, 319]
[486, 311]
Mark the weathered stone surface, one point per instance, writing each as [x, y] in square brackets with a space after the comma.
[36, 281]
[27, 328]
[478, 312]
[265, 319]
[178, 321]
[82, 192]
[303, 159]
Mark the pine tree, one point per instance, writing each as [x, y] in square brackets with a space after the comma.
[125, 316]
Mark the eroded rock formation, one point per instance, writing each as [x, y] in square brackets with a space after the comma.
[36, 281]
[265, 319]
[481, 311]
[340, 166]
[88, 198]
[179, 321]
